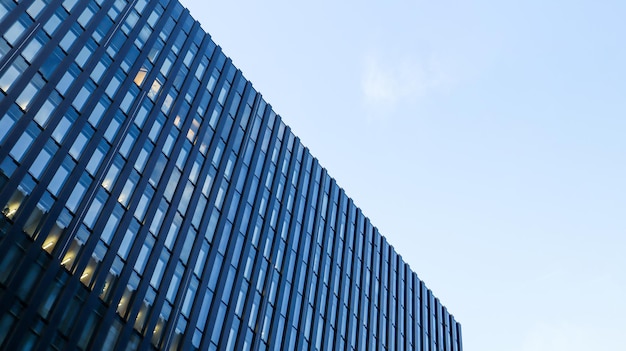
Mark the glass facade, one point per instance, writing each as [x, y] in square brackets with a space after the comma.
[151, 199]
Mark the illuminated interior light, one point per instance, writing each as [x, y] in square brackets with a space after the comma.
[10, 211]
[66, 260]
[191, 134]
[141, 75]
[47, 245]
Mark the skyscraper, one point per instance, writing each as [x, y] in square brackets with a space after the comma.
[151, 199]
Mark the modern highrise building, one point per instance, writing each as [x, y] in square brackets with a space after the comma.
[151, 199]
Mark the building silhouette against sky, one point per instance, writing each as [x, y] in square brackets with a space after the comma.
[151, 199]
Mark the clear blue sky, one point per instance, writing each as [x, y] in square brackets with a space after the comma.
[486, 140]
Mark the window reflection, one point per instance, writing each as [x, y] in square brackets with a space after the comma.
[23, 144]
[29, 93]
[128, 189]
[61, 130]
[140, 78]
[193, 130]
[111, 176]
[14, 32]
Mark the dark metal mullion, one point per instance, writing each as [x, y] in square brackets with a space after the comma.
[342, 218]
[354, 276]
[417, 312]
[343, 275]
[61, 154]
[266, 161]
[128, 269]
[111, 201]
[313, 247]
[246, 93]
[126, 272]
[249, 179]
[395, 267]
[238, 279]
[57, 158]
[25, 78]
[212, 254]
[387, 302]
[67, 294]
[22, 124]
[45, 15]
[402, 306]
[176, 305]
[400, 315]
[378, 265]
[319, 285]
[11, 18]
[250, 294]
[187, 221]
[140, 238]
[73, 283]
[153, 319]
[361, 276]
[306, 202]
[159, 301]
[390, 295]
[31, 71]
[171, 324]
[13, 15]
[20, 220]
[291, 234]
[266, 223]
[140, 189]
[425, 316]
[293, 161]
[27, 317]
[372, 231]
[459, 337]
[412, 278]
[375, 284]
[144, 284]
[128, 168]
[115, 146]
[399, 265]
[333, 188]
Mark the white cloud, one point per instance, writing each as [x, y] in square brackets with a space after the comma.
[390, 81]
